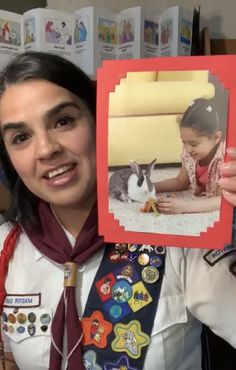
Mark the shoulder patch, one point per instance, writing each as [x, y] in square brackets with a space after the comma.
[215, 255]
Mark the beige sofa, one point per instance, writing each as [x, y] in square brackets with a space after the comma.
[144, 111]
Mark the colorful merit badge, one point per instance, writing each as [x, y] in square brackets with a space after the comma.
[130, 339]
[104, 286]
[122, 291]
[127, 272]
[96, 330]
[90, 359]
[140, 297]
[121, 364]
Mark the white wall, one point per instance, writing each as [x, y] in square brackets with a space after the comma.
[219, 15]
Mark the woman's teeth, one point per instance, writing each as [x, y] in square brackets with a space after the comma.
[59, 171]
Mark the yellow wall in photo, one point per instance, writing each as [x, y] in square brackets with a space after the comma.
[143, 114]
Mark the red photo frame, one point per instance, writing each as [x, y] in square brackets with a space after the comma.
[215, 236]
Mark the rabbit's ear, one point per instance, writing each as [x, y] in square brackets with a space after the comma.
[150, 167]
[135, 168]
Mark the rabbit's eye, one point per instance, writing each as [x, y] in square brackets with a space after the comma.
[140, 180]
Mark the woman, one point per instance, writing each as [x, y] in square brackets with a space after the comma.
[47, 114]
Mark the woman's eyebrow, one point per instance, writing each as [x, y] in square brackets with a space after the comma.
[12, 126]
[55, 110]
[48, 114]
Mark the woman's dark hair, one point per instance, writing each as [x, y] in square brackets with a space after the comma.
[55, 69]
[202, 115]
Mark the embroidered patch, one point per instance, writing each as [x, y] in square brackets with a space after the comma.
[121, 364]
[214, 256]
[122, 291]
[104, 287]
[90, 359]
[126, 272]
[130, 339]
[117, 311]
[140, 297]
[96, 330]
[22, 300]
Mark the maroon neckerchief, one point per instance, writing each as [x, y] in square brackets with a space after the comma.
[54, 244]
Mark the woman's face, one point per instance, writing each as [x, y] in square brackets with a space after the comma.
[49, 134]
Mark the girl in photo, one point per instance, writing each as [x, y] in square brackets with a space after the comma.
[203, 137]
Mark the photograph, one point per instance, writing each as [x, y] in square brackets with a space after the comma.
[29, 31]
[126, 30]
[151, 32]
[107, 32]
[58, 32]
[10, 32]
[167, 131]
[81, 29]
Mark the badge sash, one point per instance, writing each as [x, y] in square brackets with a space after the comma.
[121, 307]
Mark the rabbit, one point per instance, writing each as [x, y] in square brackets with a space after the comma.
[132, 184]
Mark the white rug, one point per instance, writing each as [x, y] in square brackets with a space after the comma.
[132, 219]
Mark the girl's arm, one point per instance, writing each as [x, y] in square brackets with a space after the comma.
[181, 205]
[181, 182]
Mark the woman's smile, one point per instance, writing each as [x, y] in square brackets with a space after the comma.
[62, 176]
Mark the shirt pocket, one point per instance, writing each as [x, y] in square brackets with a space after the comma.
[171, 311]
[168, 335]
[20, 324]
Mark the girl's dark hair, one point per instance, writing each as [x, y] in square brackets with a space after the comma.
[55, 69]
[202, 115]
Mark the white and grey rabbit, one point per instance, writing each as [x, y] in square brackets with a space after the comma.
[132, 184]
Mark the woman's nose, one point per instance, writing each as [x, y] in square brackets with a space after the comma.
[47, 147]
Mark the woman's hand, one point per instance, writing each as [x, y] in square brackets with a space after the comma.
[227, 181]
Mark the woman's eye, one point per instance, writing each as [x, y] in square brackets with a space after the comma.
[19, 138]
[64, 121]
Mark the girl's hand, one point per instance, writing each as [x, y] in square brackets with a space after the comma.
[228, 180]
[171, 205]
